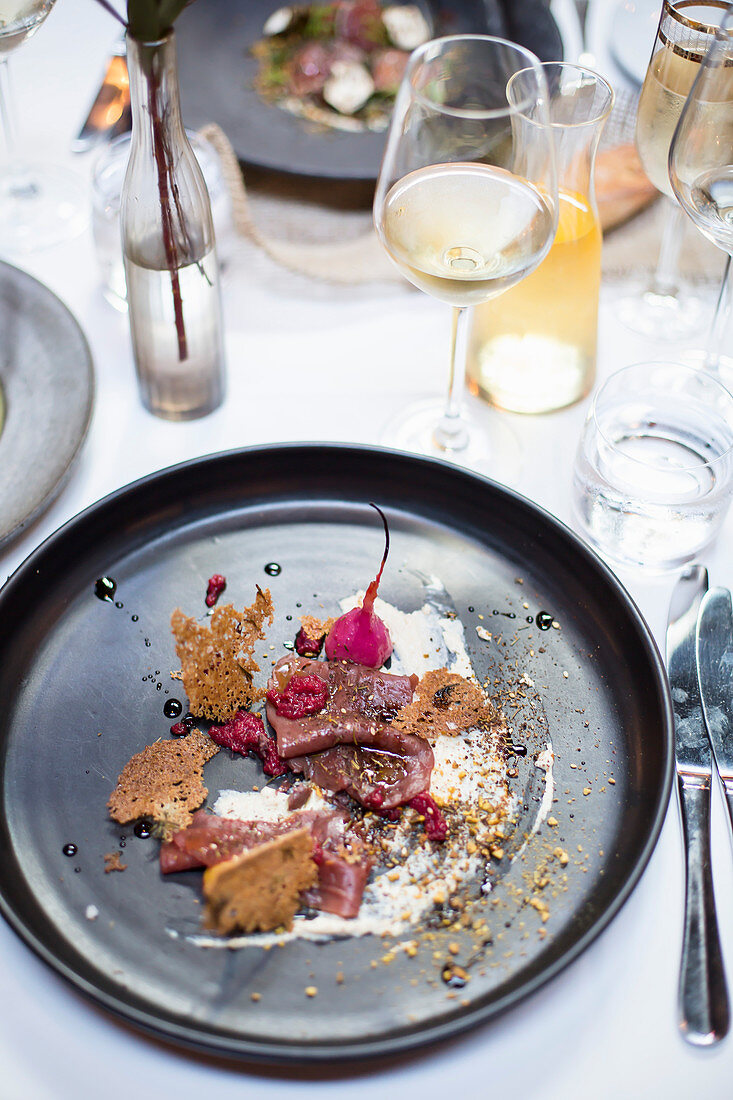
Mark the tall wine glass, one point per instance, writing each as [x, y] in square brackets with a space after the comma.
[701, 170]
[466, 206]
[39, 204]
[686, 28]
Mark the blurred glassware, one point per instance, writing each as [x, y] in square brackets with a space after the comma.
[168, 247]
[701, 172]
[107, 178]
[466, 206]
[653, 473]
[666, 308]
[40, 204]
[533, 349]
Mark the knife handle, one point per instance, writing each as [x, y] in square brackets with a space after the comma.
[703, 996]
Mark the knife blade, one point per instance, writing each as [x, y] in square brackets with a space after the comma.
[110, 114]
[715, 675]
[704, 1016]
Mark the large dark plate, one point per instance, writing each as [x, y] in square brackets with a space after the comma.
[217, 74]
[47, 379]
[79, 680]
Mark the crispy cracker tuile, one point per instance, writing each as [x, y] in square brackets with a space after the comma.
[260, 889]
[460, 705]
[163, 782]
[217, 660]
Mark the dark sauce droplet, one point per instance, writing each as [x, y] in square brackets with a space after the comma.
[143, 830]
[119, 604]
[148, 643]
[172, 708]
[69, 850]
[544, 620]
[289, 618]
[530, 618]
[471, 610]
[105, 588]
[495, 612]
[510, 614]
[453, 977]
[77, 870]
[273, 569]
[520, 750]
[134, 618]
[289, 645]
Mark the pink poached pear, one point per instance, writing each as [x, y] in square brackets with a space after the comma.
[360, 635]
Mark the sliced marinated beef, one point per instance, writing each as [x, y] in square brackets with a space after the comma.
[349, 745]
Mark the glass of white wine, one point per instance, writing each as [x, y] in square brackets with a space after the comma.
[667, 308]
[701, 171]
[40, 204]
[466, 206]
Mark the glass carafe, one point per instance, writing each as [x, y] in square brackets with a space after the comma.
[168, 247]
[534, 349]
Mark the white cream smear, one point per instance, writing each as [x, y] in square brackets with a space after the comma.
[469, 776]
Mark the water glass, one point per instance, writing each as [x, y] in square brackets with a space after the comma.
[108, 174]
[653, 473]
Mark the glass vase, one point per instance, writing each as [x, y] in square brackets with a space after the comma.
[168, 247]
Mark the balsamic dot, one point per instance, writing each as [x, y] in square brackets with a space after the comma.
[134, 618]
[143, 830]
[172, 708]
[148, 643]
[544, 620]
[471, 610]
[105, 588]
[119, 604]
[530, 619]
[77, 870]
[494, 612]
[289, 618]
[273, 569]
[69, 849]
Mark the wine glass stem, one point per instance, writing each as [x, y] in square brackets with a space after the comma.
[451, 433]
[665, 278]
[7, 108]
[720, 320]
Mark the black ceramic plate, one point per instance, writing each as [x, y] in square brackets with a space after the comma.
[83, 684]
[47, 380]
[217, 74]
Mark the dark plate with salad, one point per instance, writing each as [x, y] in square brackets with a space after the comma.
[307, 89]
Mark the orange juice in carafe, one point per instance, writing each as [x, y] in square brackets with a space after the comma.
[533, 348]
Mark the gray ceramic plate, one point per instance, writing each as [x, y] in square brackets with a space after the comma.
[83, 684]
[218, 71]
[47, 379]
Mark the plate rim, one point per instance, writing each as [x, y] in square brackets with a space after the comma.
[320, 1053]
[84, 370]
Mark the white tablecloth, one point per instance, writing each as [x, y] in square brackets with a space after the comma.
[606, 1026]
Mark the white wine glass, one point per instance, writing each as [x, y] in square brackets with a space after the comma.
[667, 307]
[466, 206]
[40, 204]
[701, 171]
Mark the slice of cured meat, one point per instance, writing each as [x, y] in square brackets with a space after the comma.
[349, 744]
[342, 860]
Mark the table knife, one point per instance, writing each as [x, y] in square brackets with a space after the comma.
[110, 114]
[715, 675]
[703, 997]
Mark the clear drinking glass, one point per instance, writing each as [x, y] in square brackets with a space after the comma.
[466, 206]
[533, 349]
[701, 171]
[40, 204]
[666, 308]
[653, 473]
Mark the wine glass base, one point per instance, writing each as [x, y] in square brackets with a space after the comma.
[40, 206]
[663, 316]
[492, 448]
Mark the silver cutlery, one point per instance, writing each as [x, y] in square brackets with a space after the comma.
[715, 675]
[703, 997]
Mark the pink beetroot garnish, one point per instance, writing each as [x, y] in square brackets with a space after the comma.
[216, 586]
[244, 733]
[436, 827]
[360, 635]
[303, 695]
